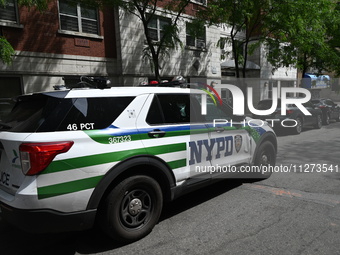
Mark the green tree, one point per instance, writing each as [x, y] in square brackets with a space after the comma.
[145, 11]
[333, 26]
[297, 32]
[306, 37]
[6, 51]
[247, 21]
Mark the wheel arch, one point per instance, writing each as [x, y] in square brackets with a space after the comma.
[302, 117]
[141, 165]
[269, 136]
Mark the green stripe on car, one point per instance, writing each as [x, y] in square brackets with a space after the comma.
[68, 187]
[74, 163]
[84, 184]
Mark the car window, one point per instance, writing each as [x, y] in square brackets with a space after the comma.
[42, 113]
[308, 104]
[329, 102]
[169, 109]
[214, 110]
[96, 113]
[6, 105]
[175, 109]
[25, 114]
[155, 115]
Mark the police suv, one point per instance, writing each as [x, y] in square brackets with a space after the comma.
[73, 158]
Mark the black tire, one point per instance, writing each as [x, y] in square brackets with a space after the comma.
[265, 156]
[326, 119]
[338, 118]
[318, 123]
[299, 125]
[132, 209]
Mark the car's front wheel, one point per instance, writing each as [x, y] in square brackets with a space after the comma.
[132, 208]
[264, 161]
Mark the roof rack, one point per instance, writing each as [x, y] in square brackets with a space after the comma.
[87, 82]
[60, 87]
[93, 82]
[176, 84]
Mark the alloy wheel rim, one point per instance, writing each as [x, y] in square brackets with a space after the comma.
[136, 208]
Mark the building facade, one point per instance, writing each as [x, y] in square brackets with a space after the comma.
[63, 42]
[66, 41]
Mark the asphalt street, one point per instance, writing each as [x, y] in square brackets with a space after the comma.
[296, 212]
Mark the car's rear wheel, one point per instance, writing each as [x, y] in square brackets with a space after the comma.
[298, 128]
[132, 208]
[318, 123]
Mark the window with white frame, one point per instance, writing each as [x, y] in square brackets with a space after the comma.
[9, 13]
[195, 36]
[75, 17]
[157, 26]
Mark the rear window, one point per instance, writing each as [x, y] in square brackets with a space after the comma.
[43, 113]
[6, 105]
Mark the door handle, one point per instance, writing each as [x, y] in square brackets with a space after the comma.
[156, 133]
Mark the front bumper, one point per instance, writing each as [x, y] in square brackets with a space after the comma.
[48, 221]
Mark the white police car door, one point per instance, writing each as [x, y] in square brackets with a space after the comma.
[230, 142]
[166, 122]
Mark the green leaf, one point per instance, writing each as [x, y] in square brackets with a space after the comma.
[6, 51]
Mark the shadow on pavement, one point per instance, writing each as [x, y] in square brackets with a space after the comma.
[17, 242]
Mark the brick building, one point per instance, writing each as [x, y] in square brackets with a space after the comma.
[63, 41]
[66, 41]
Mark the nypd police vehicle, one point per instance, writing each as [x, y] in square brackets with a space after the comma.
[73, 158]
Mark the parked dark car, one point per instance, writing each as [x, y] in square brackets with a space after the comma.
[330, 110]
[298, 119]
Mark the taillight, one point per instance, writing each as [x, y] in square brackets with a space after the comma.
[289, 112]
[35, 157]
